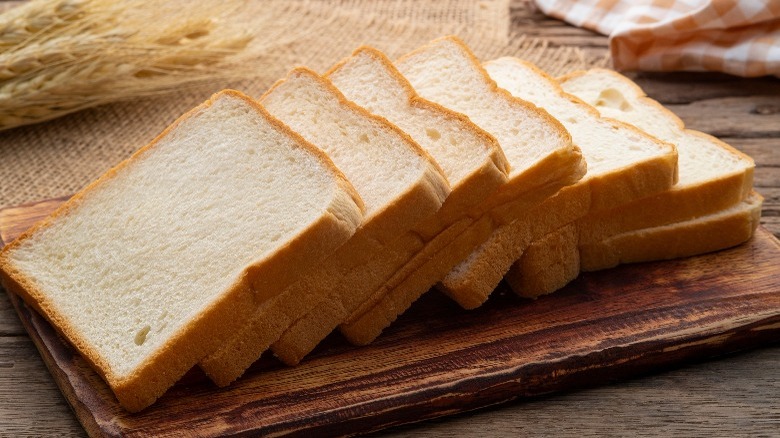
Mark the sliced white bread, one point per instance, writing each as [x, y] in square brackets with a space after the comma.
[624, 164]
[713, 176]
[399, 182]
[472, 161]
[471, 158]
[723, 229]
[157, 262]
[553, 261]
[538, 148]
[557, 259]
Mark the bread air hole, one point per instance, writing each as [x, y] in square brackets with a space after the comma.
[433, 134]
[140, 337]
[612, 98]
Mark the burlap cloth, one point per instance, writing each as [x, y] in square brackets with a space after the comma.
[59, 157]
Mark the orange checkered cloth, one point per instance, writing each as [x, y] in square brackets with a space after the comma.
[740, 37]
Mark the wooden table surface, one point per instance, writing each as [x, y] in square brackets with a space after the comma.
[738, 395]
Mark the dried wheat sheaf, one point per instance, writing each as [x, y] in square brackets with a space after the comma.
[60, 56]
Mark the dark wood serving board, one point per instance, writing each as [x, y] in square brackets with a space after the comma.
[438, 359]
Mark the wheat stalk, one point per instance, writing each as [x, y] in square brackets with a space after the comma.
[60, 56]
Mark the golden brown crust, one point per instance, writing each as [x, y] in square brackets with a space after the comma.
[415, 100]
[492, 84]
[26, 288]
[409, 283]
[226, 363]
[162, 369]
[470, 190]
[542, 180]
[647, 100]
[302, 336]
[635, 181]
[558, 257]
[508, 243]
[433, 181]
[531, 276]
[293, 345]
[305, 71]
[233, 357]
[684, 239]
[419, 201]
[569, 149]
[363, 327]
[678, 204]
[289, 347]
[492, 261]
[561, 167]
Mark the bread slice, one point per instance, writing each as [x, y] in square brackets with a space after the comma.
[560, 256]
[474, 164]
[538, 148]
[471, 158]
[399, 182]
[153, 265]
[724, 229]
[552, 261]
[624, 164]
[713, 176]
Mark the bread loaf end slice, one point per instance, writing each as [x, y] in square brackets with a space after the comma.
[713, 176]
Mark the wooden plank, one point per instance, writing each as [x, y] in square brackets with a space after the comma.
[687, 87]
[20, 362]
[771, 221]
[603, 327]
[17, 219]
[765, 151]
[729, 116]
[733, 396]
[9, 324]
[770, 212]
[766, 176]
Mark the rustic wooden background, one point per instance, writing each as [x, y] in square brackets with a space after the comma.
[734, 396]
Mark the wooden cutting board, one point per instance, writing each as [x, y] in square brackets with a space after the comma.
[438, 359]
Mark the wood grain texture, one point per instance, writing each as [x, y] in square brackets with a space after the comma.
[19, 218]
[50, 414]
[727, 116]
[688, 87]
[438, 359]
[718, 398]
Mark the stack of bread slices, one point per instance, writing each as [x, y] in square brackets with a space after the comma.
[335, 201]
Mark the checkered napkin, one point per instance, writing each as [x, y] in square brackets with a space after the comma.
[741, 37]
